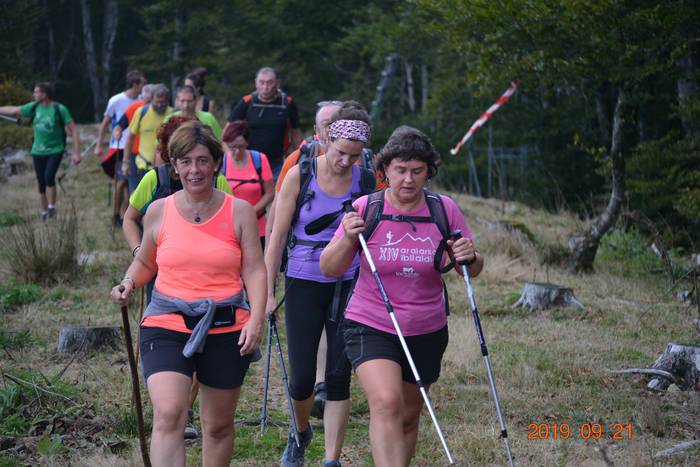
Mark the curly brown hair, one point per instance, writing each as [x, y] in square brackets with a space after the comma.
[408, 143]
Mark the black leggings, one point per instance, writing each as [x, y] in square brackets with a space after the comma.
[308, 308]
[46, 168]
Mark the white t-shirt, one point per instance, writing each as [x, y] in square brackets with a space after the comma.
[116, 107]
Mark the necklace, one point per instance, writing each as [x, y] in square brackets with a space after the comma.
[197, 217]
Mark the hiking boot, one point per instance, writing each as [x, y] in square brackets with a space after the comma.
[293, 455]
[52, 212]
[190, 431]
[319, 400]
[44, 216]
[332, 463]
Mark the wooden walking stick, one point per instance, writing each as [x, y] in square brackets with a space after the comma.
[135, 386]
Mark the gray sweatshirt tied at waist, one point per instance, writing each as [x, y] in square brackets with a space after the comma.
[162, 304]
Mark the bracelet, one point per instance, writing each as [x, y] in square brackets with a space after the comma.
[133, 283]
[472, 261]
[136, 248]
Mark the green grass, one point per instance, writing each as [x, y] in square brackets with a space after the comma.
[550, 365]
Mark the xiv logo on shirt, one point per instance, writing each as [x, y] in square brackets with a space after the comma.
[408, 249]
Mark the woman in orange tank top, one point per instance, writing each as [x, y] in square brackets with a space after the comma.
[197, 320]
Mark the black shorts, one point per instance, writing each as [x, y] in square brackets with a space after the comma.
[364, 343]
[219, 366]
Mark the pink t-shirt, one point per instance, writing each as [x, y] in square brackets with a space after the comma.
[404, 260]
[249, 191]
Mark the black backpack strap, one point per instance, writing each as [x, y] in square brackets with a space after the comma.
[368, 181]
[164, 186]
[439, 215]
[373, 212]
[205, 103]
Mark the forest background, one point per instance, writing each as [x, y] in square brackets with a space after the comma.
[606, 85]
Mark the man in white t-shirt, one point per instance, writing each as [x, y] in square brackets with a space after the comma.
[116, 107]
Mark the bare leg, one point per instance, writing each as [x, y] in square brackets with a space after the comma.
[125, 199]
[50, 196]
[217, 413]
[413, 404]
[302, 410]
[335, 423]
[381, 381]
[118, 196]
[169, 394]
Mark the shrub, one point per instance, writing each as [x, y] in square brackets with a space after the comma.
[12, 136]
[45, 254]
[10, 218]
[13, 295]
[628, 251]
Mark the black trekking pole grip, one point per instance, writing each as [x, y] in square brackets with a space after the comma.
[135, 384]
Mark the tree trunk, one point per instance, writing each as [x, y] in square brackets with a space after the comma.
[111, 19]
[584, 247]
[542, 296]
[687, 87]
[91, 59]
[409, 87]
[99, 75]
[424, 89]
[177, 46]
[73, 339]
[683, 362]
[601, 110]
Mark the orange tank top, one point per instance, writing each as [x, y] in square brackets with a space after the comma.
[197, 261]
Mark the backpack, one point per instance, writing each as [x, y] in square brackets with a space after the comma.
[374, 214]
[57, 116]
[307, 171]
[257, 163]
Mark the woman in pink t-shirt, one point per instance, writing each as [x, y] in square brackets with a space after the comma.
[248, 172]
[403, 246]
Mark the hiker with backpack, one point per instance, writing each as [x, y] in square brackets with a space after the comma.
[273, 118]
[407, 229]
[204, 245]
[312, 146]
[116, 108]
[196, 79]
[247, 172]
[51, 121]
[185, 103]
[145, 123]
[308, 211]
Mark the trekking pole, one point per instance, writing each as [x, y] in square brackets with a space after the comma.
[368, 256]
[9, 119]
[484, 351]
[268, 351]
[280, 358]
[135, 385]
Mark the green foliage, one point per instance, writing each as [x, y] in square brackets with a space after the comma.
[10, 218]
[13, 295]
[12, 92]
[49, 447]
[46, 254]
[15, 340]
[626, 251]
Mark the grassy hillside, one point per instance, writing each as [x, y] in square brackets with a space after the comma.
[551, 367]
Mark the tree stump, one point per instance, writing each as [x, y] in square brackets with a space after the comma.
[683, 362]
[73, 339]
[541, 296]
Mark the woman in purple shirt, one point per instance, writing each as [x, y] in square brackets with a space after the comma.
[403, 245]
[312, 300]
